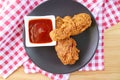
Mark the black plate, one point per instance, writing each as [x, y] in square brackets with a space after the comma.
[45, 57]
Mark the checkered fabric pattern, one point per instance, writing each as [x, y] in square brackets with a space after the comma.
[106, 13]
[12, 53]
[30, 67]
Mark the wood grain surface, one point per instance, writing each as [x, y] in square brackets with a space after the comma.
[112, 62]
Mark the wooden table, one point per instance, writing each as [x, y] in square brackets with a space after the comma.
[112, 62]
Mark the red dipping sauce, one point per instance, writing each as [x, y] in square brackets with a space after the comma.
[39, 30]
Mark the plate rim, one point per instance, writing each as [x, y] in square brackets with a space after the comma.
[77, 68]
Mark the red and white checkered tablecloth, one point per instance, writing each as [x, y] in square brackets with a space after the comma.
[12, 53]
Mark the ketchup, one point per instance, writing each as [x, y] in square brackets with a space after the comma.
[39, 30]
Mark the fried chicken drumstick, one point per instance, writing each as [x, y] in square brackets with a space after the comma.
[67, 51]
[69, 26]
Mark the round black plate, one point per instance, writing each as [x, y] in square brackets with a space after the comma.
[45, 57]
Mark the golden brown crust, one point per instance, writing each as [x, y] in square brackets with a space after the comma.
[70, 26]
[63, 31]
[59, 22]
[82, 22]
[67, 51]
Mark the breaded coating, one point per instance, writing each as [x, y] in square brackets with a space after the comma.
[61, 33]
[64, 31]
[70, 26]
[69, 22]
[82, 22]
[59, 22]
[67, 51]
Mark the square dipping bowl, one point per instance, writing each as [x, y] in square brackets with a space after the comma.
[37, 29]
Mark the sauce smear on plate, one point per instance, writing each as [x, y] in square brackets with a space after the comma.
[39, 30]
